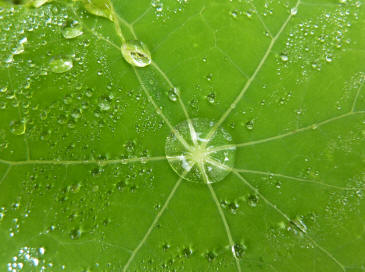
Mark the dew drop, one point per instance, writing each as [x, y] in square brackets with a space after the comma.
[72, 30]
[294, 11]
[238, 250]
[18, 127]
[299, 224]
[166, 246]
[211, 98]
[252, 200]
[9, 59]
[173, 94]
[234, 14]
[60, 65]
[209, 77]
[187, 252]
[75, 234]
[250, 125]
[42, 250]
[284, 57]
[210, 256]
[20, 47]
[136, 53]
[104, 105]
[328, 58]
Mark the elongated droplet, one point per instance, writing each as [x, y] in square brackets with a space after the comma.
[136, 53]
[72, 30]
[60, 65]
[20, 47]
[38, 3]
[101, 8]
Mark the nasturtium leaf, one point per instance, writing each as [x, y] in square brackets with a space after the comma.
[182, 135]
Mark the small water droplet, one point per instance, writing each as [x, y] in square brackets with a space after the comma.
[18, 127]
[250, 125]
[20, 47]
[9, 59]
[211, 256]
[136, 53]
[234, 14]
[284, 57]
[60, 65]
[294, 11]
[166, 246]
[211, 98]
[173, 94]
[187, 251]
[75, 234]
[42, 250]
[298, 223]
[238, 250]
[104, 105]
[209, 77]
[252, 200]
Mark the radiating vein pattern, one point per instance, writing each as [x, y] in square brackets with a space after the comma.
[253, 76]
[313, 127]
[221, 214]
[197, 155]
[297, 225]
[75, 162]
[283, 176]
[151, 227]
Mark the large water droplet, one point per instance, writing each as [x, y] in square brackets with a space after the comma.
[101, 8]
[60, 65]
[72, 30]
[38, 3]
[136, 53]
[200, 154]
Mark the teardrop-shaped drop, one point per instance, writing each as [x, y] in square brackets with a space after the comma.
[101, 8]
[136, 53]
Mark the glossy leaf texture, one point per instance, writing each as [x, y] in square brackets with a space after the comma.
[262, 106]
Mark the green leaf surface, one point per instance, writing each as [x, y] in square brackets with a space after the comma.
[240, 147]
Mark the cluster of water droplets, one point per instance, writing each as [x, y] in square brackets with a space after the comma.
[315, 42]
[29, 259]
